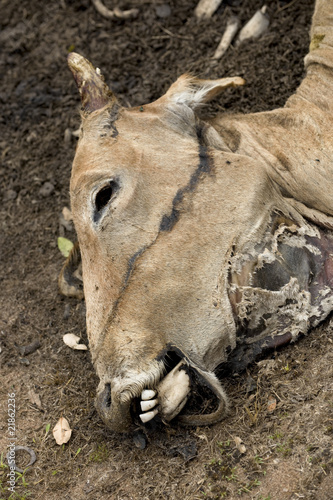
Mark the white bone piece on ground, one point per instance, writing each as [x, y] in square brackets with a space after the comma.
[116, 13]
[67, 214]
[255, 26]
[145, 417]
[228, 35]
[148, 405]
[206, 8]
[173, 392]
[147, 394]
[73, 342]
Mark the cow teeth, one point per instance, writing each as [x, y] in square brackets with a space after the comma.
[147, 394]
[148, 405]
[145, 417]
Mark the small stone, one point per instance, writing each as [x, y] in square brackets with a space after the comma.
[31, 137]
[67, 214]
[67, 311]
[29, 348]
[67, 136]
[251, 385]
[163, 10]
[271, 405]
[139, 439]
[46, 189]
[25, 361]
[10, 195]
[66, 224]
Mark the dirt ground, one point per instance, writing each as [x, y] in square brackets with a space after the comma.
[281, 407]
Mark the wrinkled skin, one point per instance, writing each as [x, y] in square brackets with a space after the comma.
[209, 240]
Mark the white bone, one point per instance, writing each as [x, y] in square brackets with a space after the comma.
[173, 392]
[145, 417]
[73, 342]
[148, 405]
[116, 13]
[230, 32]
[147, 394]
[206, 8]
[255, 27]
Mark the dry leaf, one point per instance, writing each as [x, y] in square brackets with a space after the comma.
[202, 436]
[65, 246]
[73, 342]
[266, 366]
[239, 444]
[271, 405]
[62, 432]
[34, 398]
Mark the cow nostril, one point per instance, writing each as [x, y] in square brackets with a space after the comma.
[105, 397]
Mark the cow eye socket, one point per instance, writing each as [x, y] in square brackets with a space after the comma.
[104, 195]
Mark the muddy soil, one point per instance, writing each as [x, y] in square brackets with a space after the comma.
[281, 407]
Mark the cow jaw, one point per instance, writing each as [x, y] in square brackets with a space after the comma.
[122, 403]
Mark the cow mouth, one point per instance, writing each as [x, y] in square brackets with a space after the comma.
[185, 392]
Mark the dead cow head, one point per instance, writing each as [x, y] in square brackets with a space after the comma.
[163, 208]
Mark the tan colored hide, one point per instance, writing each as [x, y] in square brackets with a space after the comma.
[199, 238]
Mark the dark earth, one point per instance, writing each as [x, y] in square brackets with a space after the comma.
[276, 444]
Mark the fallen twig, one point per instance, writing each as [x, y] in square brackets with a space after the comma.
[287, 6]
[230, 32]
[115, 13]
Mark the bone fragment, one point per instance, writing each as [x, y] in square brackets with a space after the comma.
[239, 444]
[230, 32]
[76, 133]
[115, 13]
[255, 27]
[67, 214]
[147, 394]
[73, 342]
[206, 8]
[173, 392]
[148, 405]
[145, 417]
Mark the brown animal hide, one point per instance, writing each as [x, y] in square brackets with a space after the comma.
[203, 243]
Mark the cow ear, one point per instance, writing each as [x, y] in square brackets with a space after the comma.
[95, 94]
[70, 278]
[194, 92]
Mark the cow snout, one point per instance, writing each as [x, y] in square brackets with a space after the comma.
[115, 414]
[103, 401]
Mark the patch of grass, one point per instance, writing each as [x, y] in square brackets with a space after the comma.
[223, 479]
[276, 436]
[101, 454]
[254, 414]
[20, 493]
[258, 460]
[248, 487]
[224, 446]
[285, 448]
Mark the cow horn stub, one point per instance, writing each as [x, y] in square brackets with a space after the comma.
[95, 94]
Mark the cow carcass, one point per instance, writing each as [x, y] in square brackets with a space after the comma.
[202, 242]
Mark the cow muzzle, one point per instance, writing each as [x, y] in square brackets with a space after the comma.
[180, 390]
